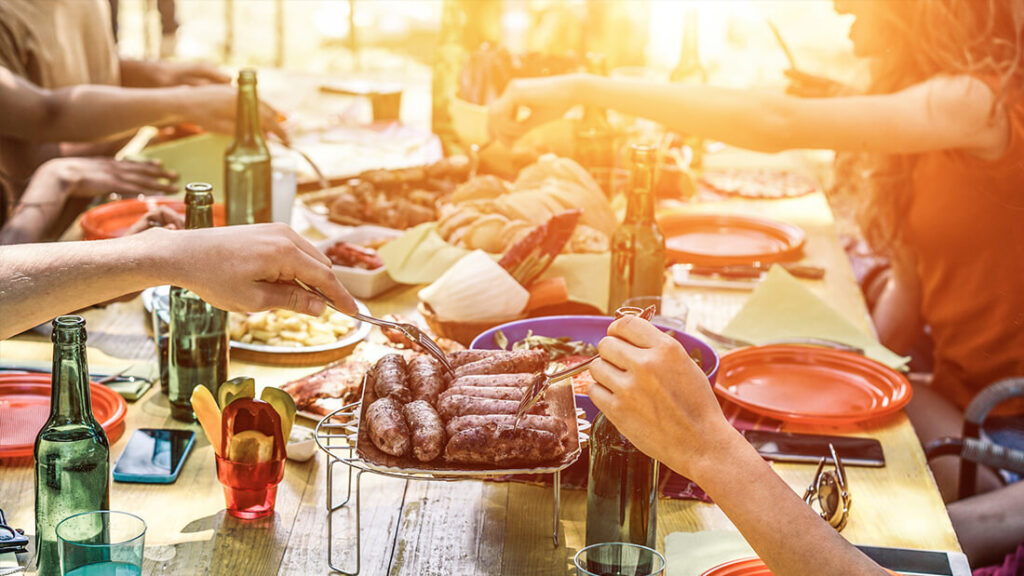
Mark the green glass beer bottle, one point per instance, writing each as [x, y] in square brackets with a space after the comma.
[197, 337]
[638, 246]
[247, 172]
[594, 137]
[622, 490]
[72, 454]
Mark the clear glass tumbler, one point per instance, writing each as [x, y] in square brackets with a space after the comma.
[101, 543]
[619, 559]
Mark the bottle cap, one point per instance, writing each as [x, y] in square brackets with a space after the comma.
[641, 153]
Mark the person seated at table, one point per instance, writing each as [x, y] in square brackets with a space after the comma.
[237, 268]
[944, 121]
[89, 112]
[60, 44]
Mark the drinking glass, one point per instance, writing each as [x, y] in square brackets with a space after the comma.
[101, 543]
[283, 185]
[669, 311]
[250, 489]
[619, 559]
[158, 315]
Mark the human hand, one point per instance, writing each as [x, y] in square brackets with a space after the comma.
[98, 176]
[158, 216]
[544, 99]
[807, 85]
[252, 268]
[657, 396]
[214, 107]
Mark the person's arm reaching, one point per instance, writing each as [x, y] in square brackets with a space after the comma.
[92, 112]
[938, 114]
[162, 74]
[673, 416]
[244, 268]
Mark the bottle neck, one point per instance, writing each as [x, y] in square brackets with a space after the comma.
[247, 119]
[640, 207]
[198, 216]
[70, 396]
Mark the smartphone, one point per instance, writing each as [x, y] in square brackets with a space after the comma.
[787, 447]
[154, 456]
[910, 562]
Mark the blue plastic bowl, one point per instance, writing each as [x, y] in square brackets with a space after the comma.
[588, 329]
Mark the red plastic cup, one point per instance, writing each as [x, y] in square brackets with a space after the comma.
[250, 489]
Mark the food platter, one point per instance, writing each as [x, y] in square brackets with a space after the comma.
[560, 400]
[302, 355]
[811, 385]
[725, 239]
[757, 183]
[25, 406]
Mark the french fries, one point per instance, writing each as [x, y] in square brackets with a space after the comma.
[289, 329]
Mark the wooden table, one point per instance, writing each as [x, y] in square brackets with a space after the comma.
[466, 527]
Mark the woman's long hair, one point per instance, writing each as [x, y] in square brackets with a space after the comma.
[978, 37]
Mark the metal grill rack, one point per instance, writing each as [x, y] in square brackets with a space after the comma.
[336, 436]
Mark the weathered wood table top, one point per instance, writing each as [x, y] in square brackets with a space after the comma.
[465, 527]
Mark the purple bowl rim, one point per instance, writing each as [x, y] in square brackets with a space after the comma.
[711, 375]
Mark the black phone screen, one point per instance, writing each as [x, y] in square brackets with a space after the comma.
[907, 561]
[786, 447]
[153, 455]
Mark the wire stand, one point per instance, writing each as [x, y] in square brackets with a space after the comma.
[336, 435]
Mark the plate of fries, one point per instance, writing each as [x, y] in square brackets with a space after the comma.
[283, 335]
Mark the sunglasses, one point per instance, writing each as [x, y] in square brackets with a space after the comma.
[828, 493]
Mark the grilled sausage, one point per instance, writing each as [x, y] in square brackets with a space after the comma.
[512, 362]
[499, 392]
[551, 424]
[459, 405]
[516, 380]
[389, 378]
[427, 430]
[503, 446]
[461, 357]
[426, 379]
[387, 428]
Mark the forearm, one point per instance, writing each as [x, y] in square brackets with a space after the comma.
[989, 526]
[768, 514]
[87, 112]
[897, 315]
[743, 118]
[41, 281]
[139, 73]
[36, 210]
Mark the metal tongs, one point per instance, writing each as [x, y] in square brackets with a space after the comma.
[540, 387]
[410, 331]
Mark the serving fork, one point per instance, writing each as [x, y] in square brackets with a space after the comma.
[411, 331]
[540, 386]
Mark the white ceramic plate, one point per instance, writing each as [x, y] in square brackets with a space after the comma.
[160, 296]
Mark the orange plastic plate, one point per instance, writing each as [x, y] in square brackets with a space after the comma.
[747, 567]
[811, 385]
[25, 406]
[112, 220]
[725, 239]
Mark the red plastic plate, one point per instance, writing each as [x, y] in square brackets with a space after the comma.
[725, 239]
[112, 220]
[811, 385]
[747, 567]
[25, 406]
[742, 567]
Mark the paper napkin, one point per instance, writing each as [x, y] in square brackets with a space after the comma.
[420, 256]
[693, 553]
[781, 307]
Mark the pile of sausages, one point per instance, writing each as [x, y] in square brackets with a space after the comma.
[421, 411]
